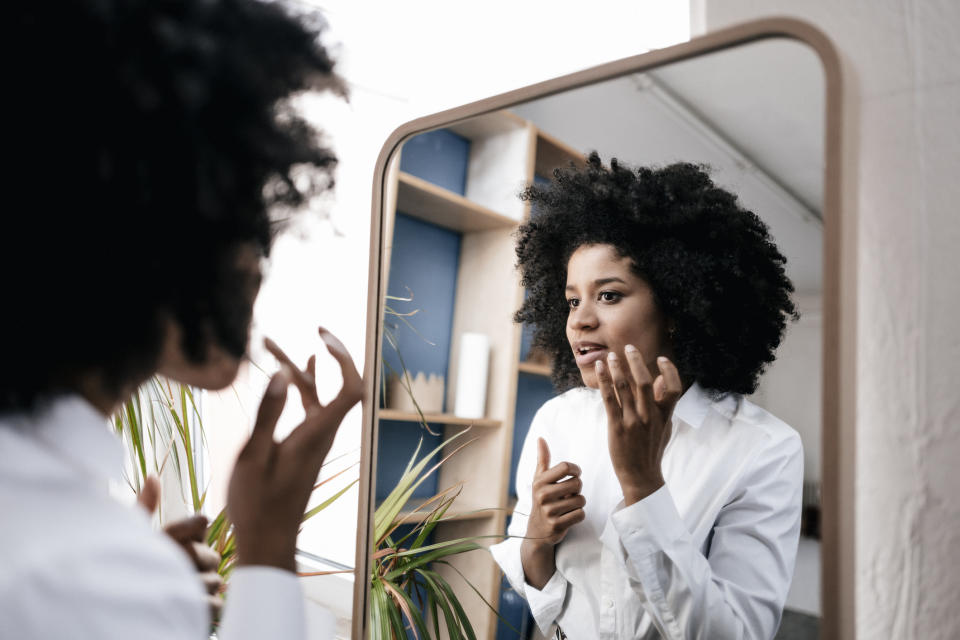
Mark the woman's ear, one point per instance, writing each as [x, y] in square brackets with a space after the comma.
[217, 370]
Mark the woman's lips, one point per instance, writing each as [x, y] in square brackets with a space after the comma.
[591, 356]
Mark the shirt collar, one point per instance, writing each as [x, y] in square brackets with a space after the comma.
[80, 434]
[695, 403]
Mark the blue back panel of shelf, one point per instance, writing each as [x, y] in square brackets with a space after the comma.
[396, 443]
[440, 157]
[423, 263]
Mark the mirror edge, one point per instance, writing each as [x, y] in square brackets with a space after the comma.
[839, 301]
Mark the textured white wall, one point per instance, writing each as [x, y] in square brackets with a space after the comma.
[905, 54]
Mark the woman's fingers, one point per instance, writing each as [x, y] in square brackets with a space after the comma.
[559, 490]
[623, 384]
[558, 508]
[569, 519]
[608, 394]
[352, 390]
[303, 380]
[557, 472]
[671, 387]
[260, 444]
[315, 434]
[543, 455]
[149, 496]
[212, 582]
[642, 378]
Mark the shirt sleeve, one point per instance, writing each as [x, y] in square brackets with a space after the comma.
[738, 589]
[547, 603]
[263, 602]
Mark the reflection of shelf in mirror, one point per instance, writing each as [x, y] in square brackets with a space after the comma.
[552, 153]
[428, 202]
[437, 418]
[534, 368]
[489, 124]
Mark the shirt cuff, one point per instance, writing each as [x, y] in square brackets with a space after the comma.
[263, 602]
[647, 526]
[545, 604]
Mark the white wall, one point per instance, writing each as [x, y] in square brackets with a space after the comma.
[908, 425]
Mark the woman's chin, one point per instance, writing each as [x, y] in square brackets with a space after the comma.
[589, 376]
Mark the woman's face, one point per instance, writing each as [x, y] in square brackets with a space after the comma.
[609, 308]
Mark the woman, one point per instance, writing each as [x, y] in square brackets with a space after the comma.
[675, 511]
[149, 145]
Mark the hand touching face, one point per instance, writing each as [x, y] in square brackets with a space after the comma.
[639, 418]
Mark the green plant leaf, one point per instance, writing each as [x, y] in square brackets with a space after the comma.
[326, 503]
[449, 618]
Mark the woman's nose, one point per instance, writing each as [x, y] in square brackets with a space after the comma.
[583, 317]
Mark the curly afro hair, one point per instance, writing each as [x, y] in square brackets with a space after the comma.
[148, 142]
[714, 270]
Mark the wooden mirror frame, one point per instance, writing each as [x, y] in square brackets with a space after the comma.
[839, 300]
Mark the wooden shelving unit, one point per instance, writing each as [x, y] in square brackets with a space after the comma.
[430, 203]
[505, 154]
[534, 368]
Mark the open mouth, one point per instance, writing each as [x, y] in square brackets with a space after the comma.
[586, 353]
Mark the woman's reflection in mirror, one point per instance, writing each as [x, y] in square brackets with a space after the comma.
[653, 499]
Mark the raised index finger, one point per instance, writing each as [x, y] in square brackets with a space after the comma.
[352, 390]
[302, 380]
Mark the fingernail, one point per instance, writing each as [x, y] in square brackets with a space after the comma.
[278, 385]
[598, 365]
[629, 348]
[663, 359]
[612, 357]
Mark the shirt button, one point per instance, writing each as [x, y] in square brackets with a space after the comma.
[608, 603]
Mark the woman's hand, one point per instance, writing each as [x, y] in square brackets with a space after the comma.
[272, 481]
[557, 506]
[639, 411]
[189, 534]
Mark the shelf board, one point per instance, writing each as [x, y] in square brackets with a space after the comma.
[552, 153]
[534, 368]
[437, 418]
[428, 202]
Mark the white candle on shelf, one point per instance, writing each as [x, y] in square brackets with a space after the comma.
[471, 397]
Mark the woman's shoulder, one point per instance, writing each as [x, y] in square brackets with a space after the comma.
[774, 431]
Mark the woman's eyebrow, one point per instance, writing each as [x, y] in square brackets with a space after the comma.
[602, 281]
[599, 282]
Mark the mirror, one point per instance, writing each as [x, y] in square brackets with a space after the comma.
[452, 357]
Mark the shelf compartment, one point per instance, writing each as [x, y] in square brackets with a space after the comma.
[534, 368]
[552, 153]
[437, 418]
[428, 202]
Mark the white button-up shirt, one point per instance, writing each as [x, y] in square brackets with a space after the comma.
[709, 555]
[75, 563]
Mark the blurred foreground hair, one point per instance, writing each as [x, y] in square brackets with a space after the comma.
[149, 140]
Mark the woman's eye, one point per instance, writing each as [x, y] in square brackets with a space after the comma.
[573, 302]
[610, 296]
